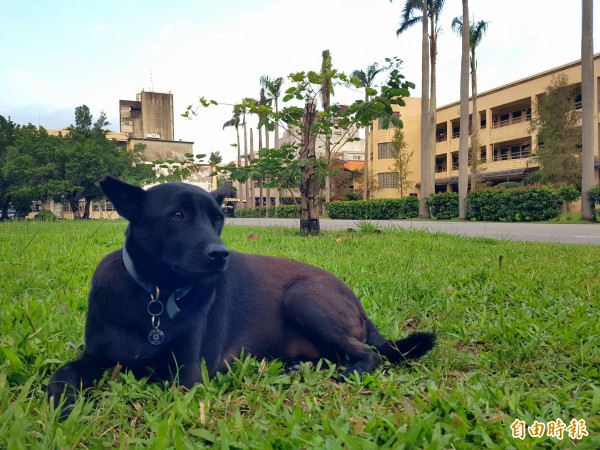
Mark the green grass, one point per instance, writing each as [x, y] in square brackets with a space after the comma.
[518, 339]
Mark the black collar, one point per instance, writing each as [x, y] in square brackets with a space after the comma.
[152, 289]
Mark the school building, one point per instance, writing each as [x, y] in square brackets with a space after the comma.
[506, 142]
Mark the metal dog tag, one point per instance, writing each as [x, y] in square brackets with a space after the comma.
[156, 337]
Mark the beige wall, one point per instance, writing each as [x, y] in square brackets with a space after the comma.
[411, 120]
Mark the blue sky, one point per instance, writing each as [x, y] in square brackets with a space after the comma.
[58, 54]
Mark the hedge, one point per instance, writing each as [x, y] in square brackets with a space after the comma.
[514, 205]
[595, 199]
[443, 206]
[281, 212]
[385, 209]
[595, 195]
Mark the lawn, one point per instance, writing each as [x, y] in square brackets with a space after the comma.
[518, 328]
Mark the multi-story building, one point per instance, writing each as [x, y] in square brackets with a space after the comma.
[149, 120]
[506, 141]
[340, 147]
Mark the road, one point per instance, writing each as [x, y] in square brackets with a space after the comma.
[584, 234]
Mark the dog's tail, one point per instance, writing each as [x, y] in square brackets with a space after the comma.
[411, 347]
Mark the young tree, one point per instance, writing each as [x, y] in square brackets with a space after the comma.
[463, 170]
[559, 135]
[235, 122]
[273, 91]
[367, 80]
[311, 122]
[588, 95]
[8, 131]
[402, 158]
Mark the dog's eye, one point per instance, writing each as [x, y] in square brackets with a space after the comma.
[218, 221]
[177, 215]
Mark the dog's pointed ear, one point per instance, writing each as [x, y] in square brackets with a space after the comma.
[221, 193]
[127, 199]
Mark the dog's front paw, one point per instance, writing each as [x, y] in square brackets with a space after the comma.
[59, 390]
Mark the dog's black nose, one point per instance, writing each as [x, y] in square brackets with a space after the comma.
[217, 252]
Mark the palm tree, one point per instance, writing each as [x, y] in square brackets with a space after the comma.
[262, 101]
[326, 92]
[249, 184]
[235, 122]
[413, 13]
[426, 149]
[463, 150]
[476, 32]
[214, 160]
[588, 96]
[273, 91]
[367, 79]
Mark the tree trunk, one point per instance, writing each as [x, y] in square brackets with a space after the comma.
[327, 177]
[252, 194]
[240, 194]
[425, 137]
[260, 182]
[366, 168]
[278, 192]
[474, 129]
[432, 107]
[588, 96]
[309, 182]
[268, 205]
[247, 184]
[463, 147]
[86, 209]
[74, 203]
[5, 208]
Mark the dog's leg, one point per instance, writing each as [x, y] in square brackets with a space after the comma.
[189, 374]
[334, 322]
[71, 378]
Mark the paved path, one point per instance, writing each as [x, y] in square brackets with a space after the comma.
[587, 234]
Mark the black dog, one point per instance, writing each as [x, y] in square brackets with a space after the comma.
[175, 295]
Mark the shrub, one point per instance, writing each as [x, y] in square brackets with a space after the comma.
[514, 205]
[507, 185]
[45, 216]
[595, 195]
[443, 206]
[595, 199]
[385, 209]
[282, 212]
[568, 193]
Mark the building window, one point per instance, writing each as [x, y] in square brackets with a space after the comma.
[440, 164]
[387, 180]
[519, 151]
[380, 121]
[385, 150]
[578, 102]
[517, 117]
[455, 161]
[440, 135]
